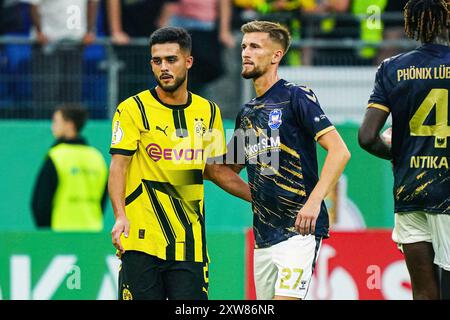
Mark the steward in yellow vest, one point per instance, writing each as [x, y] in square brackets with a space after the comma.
[71, 188]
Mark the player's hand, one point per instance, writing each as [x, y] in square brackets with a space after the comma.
[307, 217]
[120, 38]
[279, 5]
[122, 225]
[41, 38]
[89, 38]
[227, 39]
[387, 136]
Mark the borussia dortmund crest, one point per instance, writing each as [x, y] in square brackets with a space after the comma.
[126, 294]
[199, 127]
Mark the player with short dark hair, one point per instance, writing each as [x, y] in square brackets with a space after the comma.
[414, 88]
[162, 140]
[173, 35]
[275, 138]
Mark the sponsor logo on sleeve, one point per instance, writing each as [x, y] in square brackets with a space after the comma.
[117, 133]
[321, 117]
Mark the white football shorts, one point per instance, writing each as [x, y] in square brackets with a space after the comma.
[285, 269]
[418, 226]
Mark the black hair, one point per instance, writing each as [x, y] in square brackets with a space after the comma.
[172, 35]
[426, 19]
[77, 114]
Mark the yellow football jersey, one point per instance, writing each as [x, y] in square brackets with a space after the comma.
[169, 146]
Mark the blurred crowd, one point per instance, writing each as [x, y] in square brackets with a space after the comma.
[64, 63]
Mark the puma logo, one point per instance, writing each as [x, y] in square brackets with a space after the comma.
[162, 130]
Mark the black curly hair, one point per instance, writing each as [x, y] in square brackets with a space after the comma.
[426, 19]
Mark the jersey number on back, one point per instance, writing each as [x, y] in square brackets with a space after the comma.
[441, 130]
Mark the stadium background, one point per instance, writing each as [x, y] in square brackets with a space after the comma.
[359, 261]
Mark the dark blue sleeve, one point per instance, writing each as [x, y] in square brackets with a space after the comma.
[379, 95]
[308, 112]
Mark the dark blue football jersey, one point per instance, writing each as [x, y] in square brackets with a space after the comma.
[275, 139]
[414, 88]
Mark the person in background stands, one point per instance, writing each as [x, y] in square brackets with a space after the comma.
[70, 192]
[61, 29]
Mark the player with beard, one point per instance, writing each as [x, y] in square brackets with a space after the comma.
[276, 135]
[162, 140]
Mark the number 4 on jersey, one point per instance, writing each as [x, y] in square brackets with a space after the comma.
[441, 130]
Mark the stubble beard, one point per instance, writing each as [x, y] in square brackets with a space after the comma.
[171, 87]
[253, 74]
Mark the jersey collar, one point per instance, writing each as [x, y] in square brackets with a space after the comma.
[437, 49]
[272, 88]
[172, 106]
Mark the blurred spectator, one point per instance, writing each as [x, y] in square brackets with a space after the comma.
[129, 19]
[61, 28]
[10, 16]
[370, 26]
[320, 21]
[285, 12]
[11, 55]
[328, 19]
[209, 23]
[305, 19]
[71, 187]
[393, 28]
[345, 19]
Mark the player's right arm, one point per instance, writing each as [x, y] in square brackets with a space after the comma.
[376, 115]
[369, 134]
[116, 186]
[125, 136]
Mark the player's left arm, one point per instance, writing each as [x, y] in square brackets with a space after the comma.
[335, 161]
[227, 179]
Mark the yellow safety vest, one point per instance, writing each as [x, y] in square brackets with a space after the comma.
[371, 28]
[82, 176]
